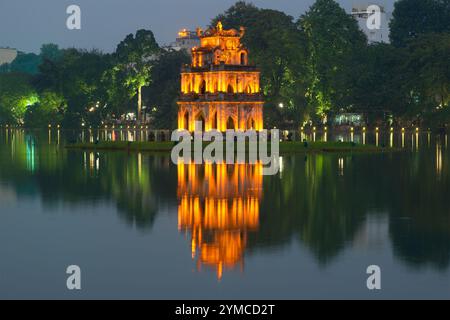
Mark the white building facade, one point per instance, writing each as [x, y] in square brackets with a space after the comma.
[186, 40]
[368, 22]
[7, 55]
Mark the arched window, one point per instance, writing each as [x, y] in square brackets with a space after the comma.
[251, 124]
[202, 88]
[200, 118]
[186, 120]
[230, 89]
[243, 58]
[248, 89]
[214, 121]
[230, 123]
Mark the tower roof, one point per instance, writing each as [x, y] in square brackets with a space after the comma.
[218, 31]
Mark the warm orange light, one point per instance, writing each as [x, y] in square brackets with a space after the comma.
[219, 205]
[220, 88]
[183, 33]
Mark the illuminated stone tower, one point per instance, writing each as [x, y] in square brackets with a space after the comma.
[220, 89]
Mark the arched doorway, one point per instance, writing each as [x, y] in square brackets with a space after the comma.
[251, 124]
[214, 121]
[230, 123]
[201, 118]
[202, 88]
[230, 89]
[243, 58]
[186, 120]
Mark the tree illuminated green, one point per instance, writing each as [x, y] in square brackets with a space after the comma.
[49, 110]
[134, 55]
[16, 95]
[335, 46]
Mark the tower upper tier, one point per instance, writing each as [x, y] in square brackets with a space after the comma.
[219, 47]
[220, 65]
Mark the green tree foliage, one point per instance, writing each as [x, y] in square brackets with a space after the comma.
[161, 96]
[134, 57]
[426, 74]
[50, 51]
[49, 110]
[77, 77]
[379, 89]
[334, 59]
[16, 94]
[414, 17]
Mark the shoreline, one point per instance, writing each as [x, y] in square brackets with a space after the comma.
[284, 147]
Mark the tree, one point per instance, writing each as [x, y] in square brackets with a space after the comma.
[50, 51]
[134, 55]
[414, 17]
[77, 76]
[16, 95]
[379, 90]
[49, 110]
[335, 50]
[426, 74]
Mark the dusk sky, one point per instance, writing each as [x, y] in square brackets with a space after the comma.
[26, 24]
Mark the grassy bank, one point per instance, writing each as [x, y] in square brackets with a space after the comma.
[124, 146]
[285, 147]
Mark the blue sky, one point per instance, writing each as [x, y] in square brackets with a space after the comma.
[26, 24]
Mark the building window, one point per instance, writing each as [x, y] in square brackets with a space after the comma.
[243, 58]
[186, 120]
[214, 121]
[230, 124]
[202, 88]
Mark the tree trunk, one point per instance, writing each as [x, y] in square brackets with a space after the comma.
[139, 110]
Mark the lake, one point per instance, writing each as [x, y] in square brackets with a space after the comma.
[140, 227]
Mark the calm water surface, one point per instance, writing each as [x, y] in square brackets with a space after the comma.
[141, 227]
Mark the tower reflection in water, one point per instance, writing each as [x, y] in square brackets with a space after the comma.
[218, 207]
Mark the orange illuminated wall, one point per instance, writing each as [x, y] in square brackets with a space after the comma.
[219, 205]
[220, 88]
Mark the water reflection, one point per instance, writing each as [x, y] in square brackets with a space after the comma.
[439, 159]
[219, 206]
[327, 204]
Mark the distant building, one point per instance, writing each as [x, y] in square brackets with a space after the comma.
[7, 55]
[361, 14]
[186, 40]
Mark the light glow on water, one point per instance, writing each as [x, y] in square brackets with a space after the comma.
[225, 230]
